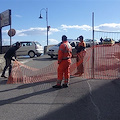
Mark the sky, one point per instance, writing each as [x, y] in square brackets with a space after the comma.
[65, 17]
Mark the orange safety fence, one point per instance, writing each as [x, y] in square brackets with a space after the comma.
[106, 66]
[107, 62]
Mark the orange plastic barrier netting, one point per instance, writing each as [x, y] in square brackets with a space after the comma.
[106, 66]
[107, 62]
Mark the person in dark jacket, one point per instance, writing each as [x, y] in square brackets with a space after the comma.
[9, 56]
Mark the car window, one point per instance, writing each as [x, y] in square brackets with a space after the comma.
[107, 40]
[14, 44]
[26, 43]
[87, 40]
[72, 44]
[23, 44]
[37, 43]
[59, 44]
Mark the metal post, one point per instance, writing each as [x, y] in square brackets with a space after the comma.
[47, 24]
[46, 20]
[0, 36]
[0, 40]
[93, 45]
[10, 30]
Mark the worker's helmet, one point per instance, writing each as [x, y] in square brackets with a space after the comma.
[64, 38]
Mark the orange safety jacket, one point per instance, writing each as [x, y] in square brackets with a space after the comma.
[64, 52]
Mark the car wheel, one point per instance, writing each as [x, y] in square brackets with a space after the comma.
[31, 54]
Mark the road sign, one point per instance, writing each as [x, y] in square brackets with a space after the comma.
[11, 32]
[5, 18]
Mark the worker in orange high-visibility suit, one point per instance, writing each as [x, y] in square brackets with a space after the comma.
[80, 56]
[64, 61]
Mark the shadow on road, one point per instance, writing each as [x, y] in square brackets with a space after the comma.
[100, 104]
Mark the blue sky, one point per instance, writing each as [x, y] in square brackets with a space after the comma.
[66, 17]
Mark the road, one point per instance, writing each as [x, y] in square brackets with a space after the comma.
[84, 99]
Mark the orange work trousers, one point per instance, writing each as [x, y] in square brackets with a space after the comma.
[64, 69]
[80, 58]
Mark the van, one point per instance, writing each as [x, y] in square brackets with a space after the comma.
[53, 51]
[30, 48]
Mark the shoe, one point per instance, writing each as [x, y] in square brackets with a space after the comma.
[65, 85]
[57, 86]
[3, 76]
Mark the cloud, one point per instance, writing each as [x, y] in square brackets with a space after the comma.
[35, 31]
[42, 31]
[53, 41]
[18, 16]
[82, 27]
[108, 27]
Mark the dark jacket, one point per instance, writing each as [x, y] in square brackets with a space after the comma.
[80, 47]
[11, 53]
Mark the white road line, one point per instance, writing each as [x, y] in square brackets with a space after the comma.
[96, 107]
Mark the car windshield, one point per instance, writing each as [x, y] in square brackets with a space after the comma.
[88, 40]
[107, 40]
[59, 44]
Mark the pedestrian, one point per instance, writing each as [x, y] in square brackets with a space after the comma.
[64, 61]
[9, 56]
[80, 55]
[101, 40]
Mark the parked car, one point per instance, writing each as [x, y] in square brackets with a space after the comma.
[89, 42]
[30, 48]
[108, 41]
[53, 51]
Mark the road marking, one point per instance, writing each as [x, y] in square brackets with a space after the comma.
[96, 107]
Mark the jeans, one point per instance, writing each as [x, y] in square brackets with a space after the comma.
[8, 64]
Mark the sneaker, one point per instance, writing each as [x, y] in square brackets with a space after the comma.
[65, 85]
[57, 86]
[3, 76]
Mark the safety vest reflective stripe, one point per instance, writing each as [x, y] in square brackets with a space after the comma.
[68, 45]
[65, 53]
[61, 49]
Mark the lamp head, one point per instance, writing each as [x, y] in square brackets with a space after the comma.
[40, 16]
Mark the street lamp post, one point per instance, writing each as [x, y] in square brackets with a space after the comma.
[46, 9]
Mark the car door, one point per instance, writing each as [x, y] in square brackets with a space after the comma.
[24, 49]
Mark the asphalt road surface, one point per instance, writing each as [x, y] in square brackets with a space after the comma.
[84, 99]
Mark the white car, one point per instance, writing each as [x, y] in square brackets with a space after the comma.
[89, 42]
[30, 48]
[53, 51]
